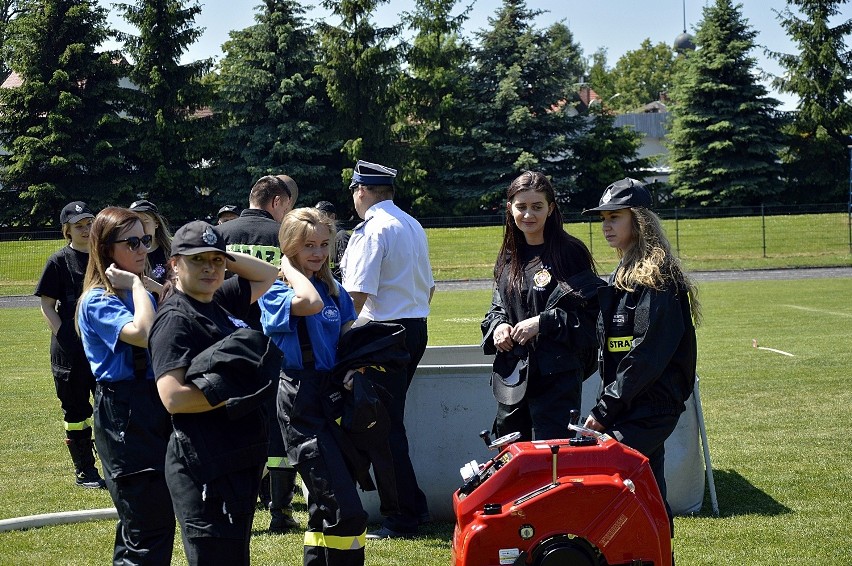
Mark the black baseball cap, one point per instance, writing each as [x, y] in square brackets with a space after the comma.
[75, 212]
[143, 206]
[228, 208]
[198, 237]
[626, 193]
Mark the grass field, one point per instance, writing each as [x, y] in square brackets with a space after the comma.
[469, 253]
[777, 428]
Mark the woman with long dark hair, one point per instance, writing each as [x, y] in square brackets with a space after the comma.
[132, 428]
[542, 316]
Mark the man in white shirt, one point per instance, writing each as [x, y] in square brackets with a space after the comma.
[387, 272]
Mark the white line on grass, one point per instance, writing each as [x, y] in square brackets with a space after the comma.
[823, 311]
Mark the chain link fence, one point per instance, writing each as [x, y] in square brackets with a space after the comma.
[465, 247]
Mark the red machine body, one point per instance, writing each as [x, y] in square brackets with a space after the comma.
[578, 502]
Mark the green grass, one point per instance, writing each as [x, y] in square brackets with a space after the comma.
[804, 240]
[777, 428]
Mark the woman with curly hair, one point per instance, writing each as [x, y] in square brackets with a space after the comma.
[646, 329]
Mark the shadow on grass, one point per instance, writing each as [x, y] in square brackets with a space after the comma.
[738, 496]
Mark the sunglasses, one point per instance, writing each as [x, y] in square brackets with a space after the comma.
[134, 241]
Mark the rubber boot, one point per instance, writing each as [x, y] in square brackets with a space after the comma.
[263, 495]
[281, 482]
[81, 448]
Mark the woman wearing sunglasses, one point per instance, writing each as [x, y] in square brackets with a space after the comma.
[132, 427]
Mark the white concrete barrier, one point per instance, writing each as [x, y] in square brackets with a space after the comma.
[450, 402]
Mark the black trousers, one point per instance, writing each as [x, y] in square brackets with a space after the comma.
[648, 435]
[337, 521]
[131, 434]
[74, 382]
[412, 500]
[214, 531]
[545, 408]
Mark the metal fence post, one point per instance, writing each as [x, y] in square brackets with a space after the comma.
[677, 233]
[591, 248]
[763, 228]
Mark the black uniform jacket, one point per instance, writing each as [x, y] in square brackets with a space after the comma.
[363, 434]
[648, 353]
[566, 337]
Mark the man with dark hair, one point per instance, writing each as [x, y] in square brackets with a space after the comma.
[255, 232]
[387, 272]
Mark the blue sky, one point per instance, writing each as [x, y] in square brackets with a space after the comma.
[617, 25]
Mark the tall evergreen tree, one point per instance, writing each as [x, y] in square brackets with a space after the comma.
[599, 75]
[816, 160]
[171, 139]
[360, 67]
[275, 111]
[524, 84]
[9, 10]
[434, 94]
[61, 126]
[724, 137]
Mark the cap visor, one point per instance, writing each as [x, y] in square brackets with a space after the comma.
[605, 207]
[193, 251]
[79, 217]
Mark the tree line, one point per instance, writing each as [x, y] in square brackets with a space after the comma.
[458, 116]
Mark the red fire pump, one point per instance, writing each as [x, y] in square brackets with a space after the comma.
[582, 501]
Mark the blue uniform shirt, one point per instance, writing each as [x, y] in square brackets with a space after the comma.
[101, 318]
[323, 327]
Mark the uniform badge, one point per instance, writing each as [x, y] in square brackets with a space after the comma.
[542, 277]
[209, 236]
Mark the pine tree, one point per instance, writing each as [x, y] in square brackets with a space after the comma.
[277, 116]
[433, 113]
[360, 68]
[524, 83]
[724, 137]
[172, 141]
[61, 126]
[816, 160]
[9, 10]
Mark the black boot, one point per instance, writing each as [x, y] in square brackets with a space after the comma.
[263, 496]
[281, 481]
[82, 454]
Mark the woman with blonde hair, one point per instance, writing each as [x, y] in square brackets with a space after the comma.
[646, 329]
[305, 314]
[114, 317]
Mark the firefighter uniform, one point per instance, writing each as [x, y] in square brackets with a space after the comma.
[648, 359]
[131, 431]
[62, 280]
[214, 459]
[559, 357]
[337, 521]
[387, 259]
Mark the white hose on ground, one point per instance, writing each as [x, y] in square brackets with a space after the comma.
[45, 519]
